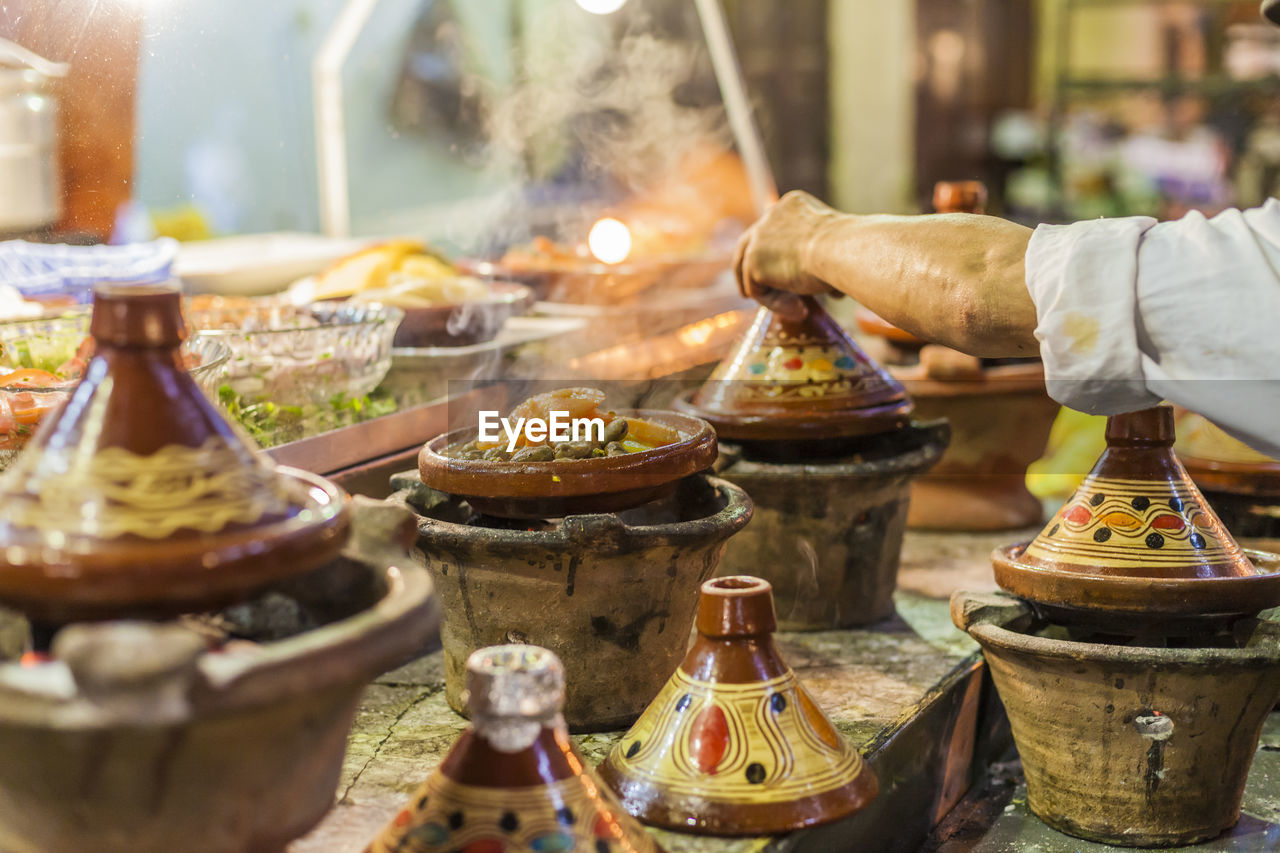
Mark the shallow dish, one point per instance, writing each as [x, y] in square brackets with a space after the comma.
[570, 486]
[591, 282]
[345, 354]
[463, 324]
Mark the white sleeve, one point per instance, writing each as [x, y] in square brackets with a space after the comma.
[1132, 312]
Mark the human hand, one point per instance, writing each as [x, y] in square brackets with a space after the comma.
[771, 262]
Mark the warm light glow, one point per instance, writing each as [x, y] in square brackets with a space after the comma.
[602, 7]
[609, 241]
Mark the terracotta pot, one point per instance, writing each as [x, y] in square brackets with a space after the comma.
[1137, 542]
[1128, 745]
[513, 781]
[138, 498]
[734, 744]
[792, 380]
[827, 534]
[135, 738]
[612, 595]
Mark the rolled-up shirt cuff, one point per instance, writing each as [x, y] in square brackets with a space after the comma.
[1083, 279]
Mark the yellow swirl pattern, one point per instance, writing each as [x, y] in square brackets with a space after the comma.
[775, 736]
[117, 492]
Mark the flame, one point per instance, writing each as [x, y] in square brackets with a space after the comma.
[609, 241]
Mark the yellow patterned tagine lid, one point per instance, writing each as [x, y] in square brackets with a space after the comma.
[734, 744]
[138, 498]
[513, 783]
[806, 379]
[1137, 537]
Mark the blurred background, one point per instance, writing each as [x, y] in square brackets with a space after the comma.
[197, 119]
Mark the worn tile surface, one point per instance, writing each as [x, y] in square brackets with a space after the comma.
[865, 680]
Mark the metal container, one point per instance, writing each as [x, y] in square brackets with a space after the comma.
[30, 190]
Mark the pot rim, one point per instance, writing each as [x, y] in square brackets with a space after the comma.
[988, 629]
[723, 523]
[347, 652]
[1142, 596]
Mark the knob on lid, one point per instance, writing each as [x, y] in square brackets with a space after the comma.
[138, 315]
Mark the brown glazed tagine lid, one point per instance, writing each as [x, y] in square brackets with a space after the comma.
[798, 380]
[1138, 538]
[513, 781]
[139, 499]
[734, 744]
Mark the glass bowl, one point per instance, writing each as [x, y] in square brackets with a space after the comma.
[309, 356]
[47, 344]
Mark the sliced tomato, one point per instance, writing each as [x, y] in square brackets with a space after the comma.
[30, 377]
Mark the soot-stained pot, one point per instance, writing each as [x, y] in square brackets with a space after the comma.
[513, 780]
[827, 534]
[1137, 543]
[612, 595]
[138, 498]
[734, 744]
[1127, 744]
[135, 737]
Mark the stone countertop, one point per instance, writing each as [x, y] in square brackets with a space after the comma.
[868, 681]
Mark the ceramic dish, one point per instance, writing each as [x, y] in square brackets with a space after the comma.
[463, 324]
[1134, 602]
[325, 351]
[570, 486]
[257, 264]
[590, 282]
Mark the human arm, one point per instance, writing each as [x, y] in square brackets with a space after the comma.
[967, 291]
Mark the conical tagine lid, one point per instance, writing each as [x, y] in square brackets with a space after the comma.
[138, 498]
[1138, 535]
[734, 744]
[802, 379]
[513, 781]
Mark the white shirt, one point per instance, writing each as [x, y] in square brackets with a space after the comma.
[1133, 311]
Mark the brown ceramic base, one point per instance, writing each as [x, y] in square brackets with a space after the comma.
[1146, 602]
[828, 534]
[120, 579]
[672, 811]
[612, 595]
[1133, 746]
[148, 742]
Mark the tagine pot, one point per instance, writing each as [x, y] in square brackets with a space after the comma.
[734, 744]
[513, 780]
[1242, 484]
[1125, 744]
[139, 499]
[612, 595]
[137, 737]
[1138, 545]
[827, 533]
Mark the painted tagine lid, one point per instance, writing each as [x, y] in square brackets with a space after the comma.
[513, 781]
[1138, 537]
[139, 498]
[798, 379]
[734, 744]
